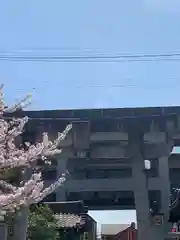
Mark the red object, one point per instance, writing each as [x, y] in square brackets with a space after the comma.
[175, 228]
[127, 234]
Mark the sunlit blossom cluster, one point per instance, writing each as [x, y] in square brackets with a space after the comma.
[32, 190]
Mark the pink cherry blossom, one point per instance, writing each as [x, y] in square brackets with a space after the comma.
[30, 191]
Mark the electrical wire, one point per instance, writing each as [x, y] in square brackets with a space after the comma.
[86, 60]
[100, 56]
[92, 58]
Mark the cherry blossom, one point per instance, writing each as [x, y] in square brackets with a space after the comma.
[31, 190]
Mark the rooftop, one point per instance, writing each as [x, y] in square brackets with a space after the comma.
[72, 207]
[69, 220]
[113, 229]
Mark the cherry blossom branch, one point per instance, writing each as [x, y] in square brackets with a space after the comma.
[20, 105]
[31, 191]
[6, 186]
[21, 157]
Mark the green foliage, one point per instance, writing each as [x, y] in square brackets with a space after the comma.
[42, 224]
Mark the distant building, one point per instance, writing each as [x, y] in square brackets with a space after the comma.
[119, 232]
[74, 220]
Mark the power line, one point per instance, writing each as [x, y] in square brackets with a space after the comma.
[92, 58]
[102, 55]
[125, 86]
[117, 86]
[67, 60]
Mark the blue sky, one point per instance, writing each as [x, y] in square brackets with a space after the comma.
[88, 27]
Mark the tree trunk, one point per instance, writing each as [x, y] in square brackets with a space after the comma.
[21, 219]
[3, 231]
[21, 224]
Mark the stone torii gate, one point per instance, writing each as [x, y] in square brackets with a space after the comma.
[145, 133]
[147, 137]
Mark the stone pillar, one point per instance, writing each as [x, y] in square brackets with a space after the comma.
[62, 168]
[3, 231]
[141, 198]
[165, 190]
[21, 224]
[140, 186]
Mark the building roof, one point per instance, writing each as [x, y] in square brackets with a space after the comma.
[69, 220]
[113, 229]
[70, 213]
[73, 207]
